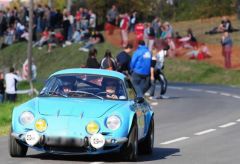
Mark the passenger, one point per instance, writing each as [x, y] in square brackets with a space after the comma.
[111, 90]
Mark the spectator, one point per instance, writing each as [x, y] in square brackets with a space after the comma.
[157, 65]
[140, 67]
[2, 88]
[167, 31]
[133, 21]
[96, 38]
[43, 40]
[156, 24]
[112, 19]
[52, 42]
[124, 60]
[108, 62]
[151, 36]
[3, 27]
[11, 79]
[189, 41]
[92, 20]
[25, 70]
[66, 25]
[78, 19]
[225, 25]
[227, 43]
[124, 25]
[172, 47]
[92, 60]
[10, 36]
[139, 31]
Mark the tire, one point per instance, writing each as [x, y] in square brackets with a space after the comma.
[164, 84]
[146, 146]
[16, 149]
[130, 149]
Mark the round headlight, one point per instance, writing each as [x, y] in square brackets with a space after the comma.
[26, 118]
[92, 127]
[41, 125]
[113, 122]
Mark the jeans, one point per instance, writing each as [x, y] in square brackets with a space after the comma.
[1, 98]
[141, 83]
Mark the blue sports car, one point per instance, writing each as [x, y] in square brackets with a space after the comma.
[84, 111]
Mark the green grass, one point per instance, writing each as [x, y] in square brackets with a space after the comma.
[178, 70]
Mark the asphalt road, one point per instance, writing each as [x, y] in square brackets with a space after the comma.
[196, 124]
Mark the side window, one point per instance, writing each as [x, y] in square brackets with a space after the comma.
[130, 89]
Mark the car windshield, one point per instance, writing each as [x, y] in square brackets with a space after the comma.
[84, 86]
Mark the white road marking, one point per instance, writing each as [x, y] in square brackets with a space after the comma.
[227, 125]
[236, 96]
[238, 120]
[154, 103]
[178, 88]
[212, 92]
[195, 90]
[96, 162]
[204, 132]
[175, 140]
[225, 94]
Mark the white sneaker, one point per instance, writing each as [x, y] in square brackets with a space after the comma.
[85, 50]
[147, 94]
[39, 48]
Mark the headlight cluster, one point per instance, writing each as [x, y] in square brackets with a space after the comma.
[26, 118]
[113, 122]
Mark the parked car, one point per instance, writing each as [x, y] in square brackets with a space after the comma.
[84, 111]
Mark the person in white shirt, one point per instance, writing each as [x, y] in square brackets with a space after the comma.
[157, 65]
[11, 80]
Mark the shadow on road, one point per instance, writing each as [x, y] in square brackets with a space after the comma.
[158, 154]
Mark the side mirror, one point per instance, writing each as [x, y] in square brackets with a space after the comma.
[139, 100]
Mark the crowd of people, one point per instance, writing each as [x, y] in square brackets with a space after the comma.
[51, 27]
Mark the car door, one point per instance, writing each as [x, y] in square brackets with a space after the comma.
[138, 107]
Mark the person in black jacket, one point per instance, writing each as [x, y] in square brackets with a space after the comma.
[3, 27]
[92, 60]
[124, 59]
[2, 88]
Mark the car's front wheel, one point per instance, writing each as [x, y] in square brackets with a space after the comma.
[146, 146]
[130, 150]
[16, 149]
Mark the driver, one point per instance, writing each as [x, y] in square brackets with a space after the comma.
[111, 90]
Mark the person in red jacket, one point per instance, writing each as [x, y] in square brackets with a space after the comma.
[139, 31]
[124, 25]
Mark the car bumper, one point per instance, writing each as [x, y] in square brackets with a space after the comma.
[62, 145]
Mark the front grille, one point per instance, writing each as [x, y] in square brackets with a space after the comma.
[65, 142]
[66, 149]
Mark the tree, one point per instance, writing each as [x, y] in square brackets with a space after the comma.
[29, 49]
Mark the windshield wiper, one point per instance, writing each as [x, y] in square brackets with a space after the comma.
[88, 93]
[52, 93]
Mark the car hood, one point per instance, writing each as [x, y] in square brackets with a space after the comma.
[74, 107]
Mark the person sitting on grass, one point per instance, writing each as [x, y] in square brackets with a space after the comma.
[199, 53]
[96, 38]
[188, 41]
[43, 40]
[52, 42]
